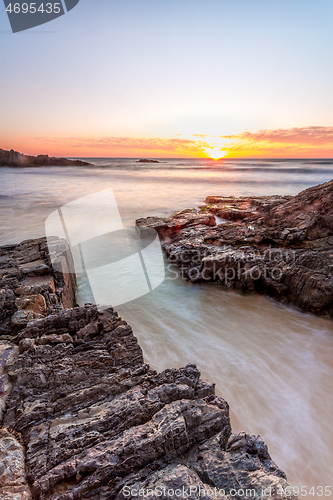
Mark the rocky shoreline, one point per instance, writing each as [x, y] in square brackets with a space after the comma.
[280, 246]
[83, 416]
[15, 159]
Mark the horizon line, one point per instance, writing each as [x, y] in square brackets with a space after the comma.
[198, 158]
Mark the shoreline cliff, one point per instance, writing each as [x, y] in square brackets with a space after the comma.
[83, 416]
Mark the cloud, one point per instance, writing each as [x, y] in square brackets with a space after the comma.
[298, 141]
[313, 141]
[115, 146]
[202, 136]
[305, 135]
[139, 144]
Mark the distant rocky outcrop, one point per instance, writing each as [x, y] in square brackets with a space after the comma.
[281, 246]
[84, 417]
[14, 159]
[145, 160]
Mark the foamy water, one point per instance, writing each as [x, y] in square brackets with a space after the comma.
[272, 364]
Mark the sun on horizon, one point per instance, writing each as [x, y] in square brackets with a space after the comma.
[215, 153]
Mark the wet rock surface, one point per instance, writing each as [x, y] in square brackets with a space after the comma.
[14, 159]
[281, 246]
[83, 416]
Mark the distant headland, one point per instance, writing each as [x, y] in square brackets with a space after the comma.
[15, 159]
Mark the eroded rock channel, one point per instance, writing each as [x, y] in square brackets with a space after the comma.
[84, 417]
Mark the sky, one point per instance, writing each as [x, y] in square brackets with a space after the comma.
[171, 78]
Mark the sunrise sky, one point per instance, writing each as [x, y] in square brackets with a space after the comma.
[172, 78]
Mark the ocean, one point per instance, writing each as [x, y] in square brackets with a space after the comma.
[273, 364]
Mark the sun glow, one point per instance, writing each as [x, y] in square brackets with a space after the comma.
[215, 153]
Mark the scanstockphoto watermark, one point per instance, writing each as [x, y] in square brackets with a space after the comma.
[229, 264]
[226, 253]
[272, 491]
[229, 275]
[111, 260]
[24, 15]
[185, 492]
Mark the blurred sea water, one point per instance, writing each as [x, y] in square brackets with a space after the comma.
[273, 364]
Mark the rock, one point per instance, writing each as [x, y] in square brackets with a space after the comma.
[15, 493]
[13, 484]
[232, 208]
[54, 339]
[34, 303]
[7, 309]
[36, 285]
[21, 318]
[14, 159]
[274, 245]
[30, 287]
[85, 417]
[35, 268]
[25, 344]
[29, 308]
[210, 470]
[62, 271]
[7, 353]
[145, 160]
[168, 227]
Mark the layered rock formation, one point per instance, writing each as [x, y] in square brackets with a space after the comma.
[29, 288]
[14, 159]
[83, 416]
[281, 246]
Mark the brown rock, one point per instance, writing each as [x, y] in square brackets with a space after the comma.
[278, 246]
[7, 309]
[36, 286]
[13, 484]
[7, 353]
[34, 303]
[35, 268]
[29, 308]
[26, 272]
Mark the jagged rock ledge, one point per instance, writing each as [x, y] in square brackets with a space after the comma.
[84, 417]
[281, 246]
[15, 159]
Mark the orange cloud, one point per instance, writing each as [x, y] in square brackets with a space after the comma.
[282, 143]
[305, 142]
[305, 135]
[108, 146]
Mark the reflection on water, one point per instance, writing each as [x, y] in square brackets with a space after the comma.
[272, 364]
